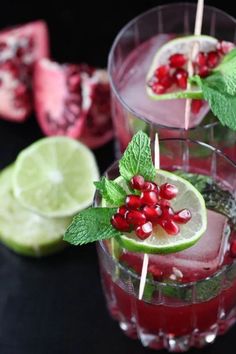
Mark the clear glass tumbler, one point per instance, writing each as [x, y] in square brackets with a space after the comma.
[130, 104]
[174, 314]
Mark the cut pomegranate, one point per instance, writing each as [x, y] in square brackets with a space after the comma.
[58, 101]
[168, 191]
[98, 128]
[137, 182]
[177, 60]
[119, 223]
[144, 231]
[20, 48]
[135, 218]
[133, 201]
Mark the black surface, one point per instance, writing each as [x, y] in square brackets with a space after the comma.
[55, 305]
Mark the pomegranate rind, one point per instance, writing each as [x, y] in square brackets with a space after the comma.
[39, 33]
[180, 45]
[23, 231]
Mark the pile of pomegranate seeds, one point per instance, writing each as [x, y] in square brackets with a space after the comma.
[174, 74]
[149, 208]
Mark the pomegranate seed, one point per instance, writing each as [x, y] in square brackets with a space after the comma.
[74, 82]
[152, 213]
[135, 217]
[155, 271]
[3, 45]
[203, 71]
[224, 47]
[196, 106]
[167, 213]
[181, 77]
[168, 191]
[233, 249]
[119, 223]
[158, 88]
[164, 203]
[20, 90]
[137, 182]
[150, 186]
[166, 82]
[144, 231]
[201, 59]
[162, 72]
[122, 210]
[133, 201]
[170, 227]
[177, 60]
[182, 216]
[149, 198]
[212, 59]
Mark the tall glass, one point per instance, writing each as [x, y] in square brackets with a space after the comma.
[176, 315]
[129, 60]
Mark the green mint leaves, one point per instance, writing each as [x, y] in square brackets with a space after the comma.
[219, 89]
[94, 224]
[111, 191]
[137, 159]
[91, 225]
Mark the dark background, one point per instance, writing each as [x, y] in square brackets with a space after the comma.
[55, 305]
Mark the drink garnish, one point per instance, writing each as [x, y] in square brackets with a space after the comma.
[146, 210]
[214, 78]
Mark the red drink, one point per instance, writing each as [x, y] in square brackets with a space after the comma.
[189, 296]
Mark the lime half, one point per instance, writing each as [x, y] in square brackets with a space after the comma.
[182, 45]
[23, 231]
[161, 242]
[54, 177]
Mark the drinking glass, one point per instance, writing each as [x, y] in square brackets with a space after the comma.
[172, 20]
[175, 315]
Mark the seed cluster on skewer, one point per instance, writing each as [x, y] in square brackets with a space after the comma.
[150, 207]
[175, 73]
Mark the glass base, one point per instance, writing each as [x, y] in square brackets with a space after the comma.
[172, 343]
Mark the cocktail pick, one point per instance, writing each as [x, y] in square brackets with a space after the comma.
[192, 56]
[145, 257]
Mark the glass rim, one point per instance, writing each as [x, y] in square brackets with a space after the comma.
[216, 274]
[115, 43]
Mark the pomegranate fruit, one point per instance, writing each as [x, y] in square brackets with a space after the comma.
[20, 48]
[73, 100]
[98, 128]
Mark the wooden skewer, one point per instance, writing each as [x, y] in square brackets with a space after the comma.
[145, 257]
[192, 56]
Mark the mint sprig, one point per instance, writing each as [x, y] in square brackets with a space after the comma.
[111, 191]
[91, 225]
[219, 89]
[137, 159]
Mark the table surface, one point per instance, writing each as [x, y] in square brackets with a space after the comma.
[55, 305]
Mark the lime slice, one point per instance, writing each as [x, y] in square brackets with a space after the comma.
[54, 177]
[182, 45]
[23, 231]
[160, 242]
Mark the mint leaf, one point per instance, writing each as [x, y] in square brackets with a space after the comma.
[137, 159]
[227, 71]
[222, 103]
[111, 191]
[91, 225]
